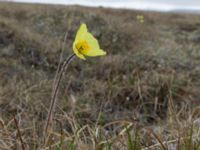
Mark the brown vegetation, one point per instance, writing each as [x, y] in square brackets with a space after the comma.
[150, 75]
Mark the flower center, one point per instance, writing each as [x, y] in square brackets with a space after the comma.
[82, 47]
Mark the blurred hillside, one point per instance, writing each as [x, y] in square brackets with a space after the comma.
[146, 64]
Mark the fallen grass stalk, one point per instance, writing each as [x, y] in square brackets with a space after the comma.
[74, 137]
[19, 134]
[159, 140]
[112, 140]
[168, 142]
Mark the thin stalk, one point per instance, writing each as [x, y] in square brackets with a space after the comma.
[54, 95]
[158, 139]
[19, 134]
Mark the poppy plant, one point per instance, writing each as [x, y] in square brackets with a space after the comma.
[84, 45]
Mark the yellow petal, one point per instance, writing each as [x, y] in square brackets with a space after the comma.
[81, 56]
[81, 32]
[95, 52]
[94, 46]
[79, 35]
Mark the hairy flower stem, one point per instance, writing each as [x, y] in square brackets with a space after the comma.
[54, 94]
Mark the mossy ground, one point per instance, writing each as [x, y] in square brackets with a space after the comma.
[150, 76]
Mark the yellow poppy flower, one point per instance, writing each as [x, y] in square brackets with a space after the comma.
[85, 44]
[140, 18]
